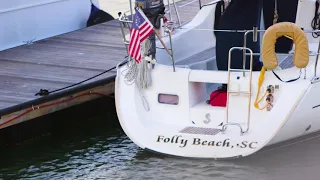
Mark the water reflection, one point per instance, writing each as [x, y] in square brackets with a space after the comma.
[100, 150]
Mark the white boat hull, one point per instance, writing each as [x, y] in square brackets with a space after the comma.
[183, 131]
[192, 128]
[25, 22]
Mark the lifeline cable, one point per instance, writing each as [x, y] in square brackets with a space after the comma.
[209, 4]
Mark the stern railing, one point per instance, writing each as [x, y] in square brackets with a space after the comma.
[125, 22]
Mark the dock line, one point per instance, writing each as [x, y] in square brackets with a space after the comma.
[45, 92]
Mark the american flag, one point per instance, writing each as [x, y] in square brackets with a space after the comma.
[140, 30]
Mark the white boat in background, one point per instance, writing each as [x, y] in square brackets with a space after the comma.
[24, 22]
[164, 109]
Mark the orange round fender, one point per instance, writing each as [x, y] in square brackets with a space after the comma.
[288, 29]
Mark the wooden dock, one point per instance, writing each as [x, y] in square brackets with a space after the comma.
[61, 61]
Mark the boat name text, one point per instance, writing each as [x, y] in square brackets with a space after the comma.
[197, 141]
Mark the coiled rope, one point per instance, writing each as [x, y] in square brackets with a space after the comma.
[144, 76]
[140, 73]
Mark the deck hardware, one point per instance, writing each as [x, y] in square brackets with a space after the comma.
[224, 127]
[308, 128]
[29, 42]
[305, 73]
[249, 92]
[316, 64]
[171, 47]
[255, 33]
[315, 80]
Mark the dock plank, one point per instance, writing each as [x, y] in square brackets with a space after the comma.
[49, 73]
[66, 59]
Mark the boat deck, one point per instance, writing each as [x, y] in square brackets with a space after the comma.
[284, 61]
[64, 60]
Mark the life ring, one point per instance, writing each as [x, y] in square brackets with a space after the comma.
[288, 29]
[269, 56]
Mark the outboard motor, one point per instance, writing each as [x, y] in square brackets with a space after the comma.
[154, 10]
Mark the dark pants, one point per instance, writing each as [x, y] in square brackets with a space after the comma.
[243, 15]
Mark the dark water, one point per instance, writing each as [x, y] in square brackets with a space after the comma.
[96, 148]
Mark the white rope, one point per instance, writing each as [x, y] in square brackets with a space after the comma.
[143, 99]
[144, 75]
[140, 73]
[143, 80]
[132, 72]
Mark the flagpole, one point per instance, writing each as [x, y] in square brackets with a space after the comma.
[155, 31]
[165, 47]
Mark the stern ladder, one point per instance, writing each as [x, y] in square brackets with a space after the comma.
[249, 92]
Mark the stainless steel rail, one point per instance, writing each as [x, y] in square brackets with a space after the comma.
[249, 93]
[126, 23]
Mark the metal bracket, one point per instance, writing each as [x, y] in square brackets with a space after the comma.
[29, 42]
[315, 80]
[224, 127]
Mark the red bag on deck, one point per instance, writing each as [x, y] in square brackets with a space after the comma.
[218, 98]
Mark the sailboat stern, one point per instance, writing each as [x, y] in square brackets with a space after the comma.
[172, 117]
